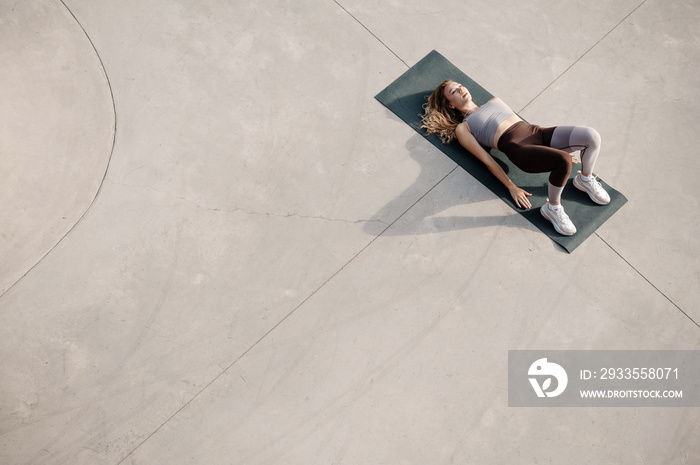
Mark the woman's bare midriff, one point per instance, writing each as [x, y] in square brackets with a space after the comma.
[503, 127]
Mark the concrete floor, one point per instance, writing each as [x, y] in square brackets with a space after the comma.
[218, 248]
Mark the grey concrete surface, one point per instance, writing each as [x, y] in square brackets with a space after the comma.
[220, 249]
[56, 131]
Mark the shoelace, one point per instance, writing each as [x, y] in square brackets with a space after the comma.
[561, 214]
[597, 187]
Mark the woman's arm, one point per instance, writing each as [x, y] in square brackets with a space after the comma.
[469, 142]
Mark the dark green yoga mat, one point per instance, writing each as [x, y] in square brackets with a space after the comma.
[406, 96]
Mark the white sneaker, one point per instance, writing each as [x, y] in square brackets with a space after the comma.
[593, 188]
[559, 219]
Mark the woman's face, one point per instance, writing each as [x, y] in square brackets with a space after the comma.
[457, 94]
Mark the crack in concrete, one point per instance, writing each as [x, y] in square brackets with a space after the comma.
[245, 211]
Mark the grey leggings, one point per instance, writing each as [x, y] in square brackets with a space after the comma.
[534, 149]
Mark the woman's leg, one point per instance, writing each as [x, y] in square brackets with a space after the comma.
[528, 147]
[573, 138]
[542, 159]
[587, 140]
[554, 193]
[538, 159]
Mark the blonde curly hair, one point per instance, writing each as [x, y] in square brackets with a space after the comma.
[439, 118]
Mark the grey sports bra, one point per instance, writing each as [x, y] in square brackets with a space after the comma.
[484, 121]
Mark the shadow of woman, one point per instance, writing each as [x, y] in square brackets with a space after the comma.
[463, 188]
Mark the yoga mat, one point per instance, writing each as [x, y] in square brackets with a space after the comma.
[407, 94]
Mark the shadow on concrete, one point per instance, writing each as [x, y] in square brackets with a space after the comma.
[422, 185]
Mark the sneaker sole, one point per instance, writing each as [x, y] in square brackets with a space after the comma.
[554, 223]
[581, 187]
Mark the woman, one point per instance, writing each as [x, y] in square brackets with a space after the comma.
[450, 112]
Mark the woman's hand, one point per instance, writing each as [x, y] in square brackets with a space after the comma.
[520, 196]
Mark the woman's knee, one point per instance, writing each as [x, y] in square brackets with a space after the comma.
[589, 135]
[560, 174]
[565, 162]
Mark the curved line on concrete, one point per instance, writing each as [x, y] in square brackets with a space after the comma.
[109, 158]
